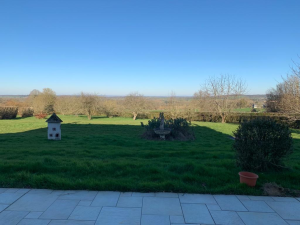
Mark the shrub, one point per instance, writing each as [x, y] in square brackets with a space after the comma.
[40, 115]
[262, 144]
[26, 112]
[180, 129]
[8, 112]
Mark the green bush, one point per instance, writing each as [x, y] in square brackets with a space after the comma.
[26, 112]
[262, 144]
[152, 124]
[8, 112]
[180, 129]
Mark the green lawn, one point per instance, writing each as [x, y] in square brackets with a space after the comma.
[109, 154]
[248, 110]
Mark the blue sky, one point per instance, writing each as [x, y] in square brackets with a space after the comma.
[112, 47]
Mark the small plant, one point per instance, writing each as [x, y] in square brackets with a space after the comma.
[262, 144]
[40, 115]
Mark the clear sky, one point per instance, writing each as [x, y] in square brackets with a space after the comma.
[114, 47]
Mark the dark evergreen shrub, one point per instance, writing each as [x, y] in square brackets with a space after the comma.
[262, 144]
[180, 129]
[8, 112]
[26, 112]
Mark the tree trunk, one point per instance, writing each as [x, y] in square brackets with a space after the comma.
[223, 118]
[134, 115]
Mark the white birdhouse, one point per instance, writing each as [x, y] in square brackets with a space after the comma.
[54, 130]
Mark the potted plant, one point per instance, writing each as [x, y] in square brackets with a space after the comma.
[248, 178]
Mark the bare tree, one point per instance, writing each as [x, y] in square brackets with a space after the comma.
[90, 104]
[135, 103]
[285, 98]
[173, 106]
[68, 105]
[110, 107]
[43, 102]
[201, 101]
[223, 92]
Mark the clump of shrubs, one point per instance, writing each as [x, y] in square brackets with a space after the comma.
[262, 144]
[8, 112]
[26, 112]
[180, 129]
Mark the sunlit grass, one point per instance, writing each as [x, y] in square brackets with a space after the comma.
[109, 154]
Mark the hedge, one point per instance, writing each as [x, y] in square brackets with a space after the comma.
[292, 120]
[26, 112]
[8, 112]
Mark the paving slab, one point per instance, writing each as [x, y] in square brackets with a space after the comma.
[197, 198]
[166, 195]
[106, 198]
[187, 224]
[229, 202]
[161, 206]
[12, 190]
[11, 217]
[155, 219]
[40, 191]
[71, 222]
[284, 199]
[261, 198]
[138, 194]
[85, 203]
[213, 207]
[130, 202]
[126, 194]
[33, 215]
[79, 195]
[10, 197]
[287, 210]
[33, 202]
[293, 222]
[3, 190]
[242, 197]
[255, 218]
[34, 222]
[226, 218]
[176, 219]
[60, 209]
[196, 213]
[257, 206]
[85, 213]
[2, 207]
[117, 216]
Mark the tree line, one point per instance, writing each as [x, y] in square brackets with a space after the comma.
[219, 94]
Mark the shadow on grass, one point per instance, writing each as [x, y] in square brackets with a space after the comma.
[116, 158]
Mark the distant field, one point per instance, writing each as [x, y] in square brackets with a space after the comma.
[109, 154]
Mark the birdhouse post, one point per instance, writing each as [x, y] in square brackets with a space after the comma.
[54, 128]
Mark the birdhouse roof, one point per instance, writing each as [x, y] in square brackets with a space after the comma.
[54, 119]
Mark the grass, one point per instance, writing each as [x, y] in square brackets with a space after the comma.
[108, 154]
[248, 110]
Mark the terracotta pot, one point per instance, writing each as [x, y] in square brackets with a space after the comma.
[248, 178]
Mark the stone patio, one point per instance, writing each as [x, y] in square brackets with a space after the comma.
[52, 207]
